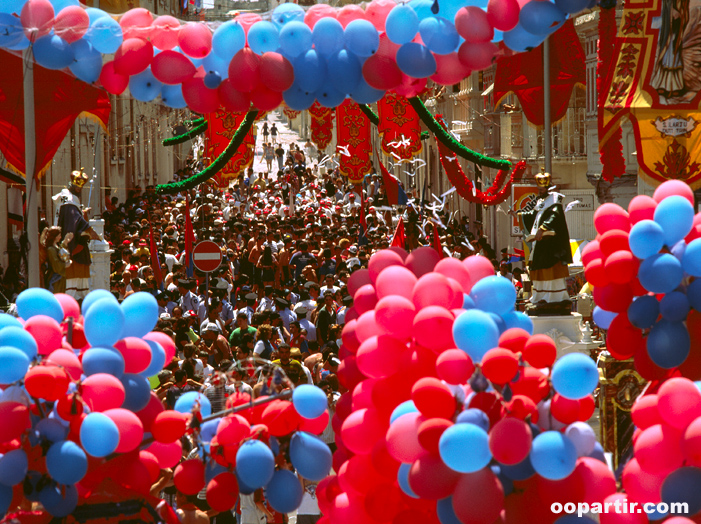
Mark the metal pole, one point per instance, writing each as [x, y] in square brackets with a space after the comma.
[547, 128]
[206, 297]
[31, 216]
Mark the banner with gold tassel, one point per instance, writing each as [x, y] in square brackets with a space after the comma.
[222, 126]
[322, 125]
[353, 138]
[399, 127]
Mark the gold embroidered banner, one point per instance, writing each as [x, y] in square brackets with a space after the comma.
[222, 126]
[399, 127]
[353, 138]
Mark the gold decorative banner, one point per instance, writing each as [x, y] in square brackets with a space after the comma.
[353, 137]
[399, 127]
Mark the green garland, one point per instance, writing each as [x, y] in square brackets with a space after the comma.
[425, 135]
[374, 119]
[192, 133]
[217, 165]
[450, 142]
[195, 122]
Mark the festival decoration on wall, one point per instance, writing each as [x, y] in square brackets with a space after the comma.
[222, 127]
[199, 126]
[353, 135]
[399, 127]
[655, 84]
[322, 125]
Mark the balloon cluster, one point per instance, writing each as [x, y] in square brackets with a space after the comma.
[76, 413]
[644, 266]
[323, 54]
[455, 413]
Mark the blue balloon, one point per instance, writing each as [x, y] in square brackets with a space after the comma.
[286, 13]
[59, 501]
[674, 306]
[449, 8]
[401, 24]
[140, 314]
[295, 38]
[12, 31]
[668, 344]
[405, 407]
[467, 302]
[15, 364]
[501, 325]
[158, 359]
[88, 61]
[228, 39]
[520, 40]
[172, 96]
[38, 301]
[473, 416]
[103, 360]
[187, 401]
[327, 36]
[105, 35]
[13, 467]
[574, 519]
[475, 333]
[424, 8]
[212, 469]
[9, 321]
[416, 60]
[93, 297]
[310, 71]
[521, 471]
[18, 337]
[329, 97]
[676, 216]
[94, 13]
[553, 455]
[445, 511]
[255, 464]
[679, 250]
[66, 462]
[691, 261]
[494, 294]
[209, 429]
[213, 63]
[542, 19]
[365, 94]
[344, 73]
[465, 448]
[439, 35]
[310, 456]
[104, 323]
[683, 486]
[506, 483]
[574, 376]
[517, 319]
[361, 38]
[646, 238]
[52, 52]
[99, 435]
[693, 293]
[643, 312]
[6, 495]
[403, 480]
[298, 99]
[144, 87]
[309, 401]
[52, 429]
[660, 273]
[603, 318]
[60, 4]
[9, 7]
[263, 37]
[598, 453]
[137, 390]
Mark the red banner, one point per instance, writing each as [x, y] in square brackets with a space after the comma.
[222, 126]
[322, 125]
[290, 113]
[353, 138]
[399, 127]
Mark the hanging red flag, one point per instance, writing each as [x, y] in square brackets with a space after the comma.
[399, 238]
[322, 125]
[436, 242]
[353, 139]
[221, 127]
[399, 127]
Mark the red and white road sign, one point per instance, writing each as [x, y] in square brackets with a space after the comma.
[206, 256]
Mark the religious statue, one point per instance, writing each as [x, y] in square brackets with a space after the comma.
[550, 252]
[71, 218]
[668, 75]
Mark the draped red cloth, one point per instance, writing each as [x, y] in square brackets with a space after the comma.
[353, 139]
[322, 125]
[221, 127]
[399, 127]
[522, 74]
[59, 98]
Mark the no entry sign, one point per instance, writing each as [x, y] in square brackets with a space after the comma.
[206, 256]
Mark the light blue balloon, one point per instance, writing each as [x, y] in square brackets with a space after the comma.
[104, 323]
[475, 333]
[295, 38]
[94, 13]
[15, 364]
[140, 314]
[214, 63]
[9, 7]
[405, 407]
[520, 40]
[361, 38]
[691, 261]
[416, 60]
[449, 8]
[310, 71]
[473, 416]
[18, 337]
[186, 402]
[541, 18]
[103, 360]
[668, 344]
[13, 467]
[88, 61]
[105, 34]
[99, 435]
[158, 359]
[646, 238]
[365, 94]
[327, 36]
[12, 31]
[402, 24]
[310, 456]
[603, 318]
[517, 319]
[465, 448]
[676, 216]
[422, 8]
[660, 273]
[553, 455]
[439, 35]
[228, 39]
[60, 4]
[172, 96]
[144, 87]
[286, 13]
[445, 511]
[59, 501]
[263, 37]
[66, 462]
[309, 401]
[575, 376]
[255, 464]
[494, 294]
[9, 321]
[329, 97]
[298, 99]
[344, 73]
[403, 480]
[93, 297]
[38, 301]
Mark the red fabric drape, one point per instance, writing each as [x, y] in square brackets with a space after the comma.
[322, 125]
[59, 98]
[399, 127]
[522, 74]
[399, 238]
[222, 126]
[353, 138]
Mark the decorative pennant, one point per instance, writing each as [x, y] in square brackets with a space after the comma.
[399, 127]
[322, 125]
[353, 138]
[222, 126]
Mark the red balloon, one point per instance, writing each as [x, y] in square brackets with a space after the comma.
[379, 356]
[597, 478]
[531, 383]
[510, 440]
[15, 420]
[136, 353]
[393, 314]
[591, 251]
[349, 338]
[67, 359]
[382, 72]
[514, 339]
[623, 339]
[281, 418]
[316, 12]
[645, 412]
[691, 443]
[166, 342]
[433, 398]
[499, 365]
[449, 70]
[522, 407]
[112, 81]
[247, 20]
[316, 425]
[232, 429]
[148, 415]
[395, 280]
[611, 216]
[595, 273]
[430, 432]
[540, 351]
[361, 429]
[454, 366]
[198, 97]
[477, 55]
[658, 449]
[478, 497]
[490, 404]
[365, 299]
[359, 475]
[432, 289]
[384, 501]
[586, 408]
[621, 267]
[102, 392]
[673, 187]
[613, 297]
[195, 39]
[362, 394]
[149, 460]
[168, 455]
[37, 17]
[222, 491]
[70, 407]
[245, 68]
[357, 279]
[136, 23]
[164, 32]
[478, 267]
[612, 241]
[381, 260]
[376, 12]
[276, 72]
[402, 437]
[384, 463]
[348, 13]
[133, 56]
[265, 99]
[432, 328]
[171, 67]
[131, 431]
[422, 260]
[564, 409]
[614, 517]
[679, 402]
[641, 207]
[503, 14]
[640, 485]
[189, 476]
[46, 382]
[473, 25]
[169, 426]
[571, 489]
[430, 478]
[71, 23]
[348, 373]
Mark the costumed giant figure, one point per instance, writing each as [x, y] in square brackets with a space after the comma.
[71, 218]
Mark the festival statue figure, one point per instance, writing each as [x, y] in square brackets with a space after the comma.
[71, 218]
[550, 251]
[668, 75]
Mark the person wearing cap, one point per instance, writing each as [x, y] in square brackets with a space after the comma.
[267, 303]
[249, 308]
[188, 300]
[282, 306]
[214, 344]
[305, 324]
